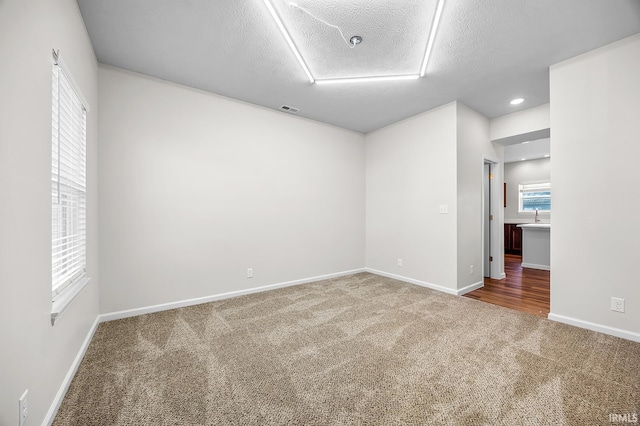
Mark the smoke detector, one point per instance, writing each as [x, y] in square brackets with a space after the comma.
[290, 109]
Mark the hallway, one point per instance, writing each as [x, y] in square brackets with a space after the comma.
[523, 289]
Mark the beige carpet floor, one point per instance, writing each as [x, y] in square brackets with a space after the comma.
[362, 349]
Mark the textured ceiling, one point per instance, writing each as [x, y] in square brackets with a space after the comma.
[394, 34]
[485, 52]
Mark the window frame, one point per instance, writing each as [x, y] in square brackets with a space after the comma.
[69, 118]
[541, 186]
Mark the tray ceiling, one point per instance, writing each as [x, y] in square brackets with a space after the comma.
[485, 52]
[394, 35]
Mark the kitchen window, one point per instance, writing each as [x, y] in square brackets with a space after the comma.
[534, 196]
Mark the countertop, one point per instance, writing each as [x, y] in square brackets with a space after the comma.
[541, 226]
[511, 221]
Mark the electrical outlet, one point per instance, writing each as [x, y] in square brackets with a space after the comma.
[471, 270]
[399, 263]
[443, 209]
[249, 272]
[23, 408]
[617, 304]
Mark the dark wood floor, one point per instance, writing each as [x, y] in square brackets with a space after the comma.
[523, 289]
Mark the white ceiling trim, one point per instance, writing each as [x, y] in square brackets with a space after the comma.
[365, 79]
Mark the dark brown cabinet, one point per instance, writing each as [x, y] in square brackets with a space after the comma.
[512, 239]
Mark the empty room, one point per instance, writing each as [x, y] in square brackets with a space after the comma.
[299, 212]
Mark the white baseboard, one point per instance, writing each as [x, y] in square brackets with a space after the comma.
[629, 335]
[197, 301]
[534, 266]
[55, 405]
[469, 288]
[413, 281]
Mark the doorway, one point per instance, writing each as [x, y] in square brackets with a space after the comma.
[492, 262]
[525, 288]
[487, 218]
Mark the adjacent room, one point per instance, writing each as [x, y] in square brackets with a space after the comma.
[271, 211]
[526, 198]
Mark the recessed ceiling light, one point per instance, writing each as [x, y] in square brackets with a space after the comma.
[355, 40]
[517, 101]
[546, 155]
[522, 159]
[525, 142]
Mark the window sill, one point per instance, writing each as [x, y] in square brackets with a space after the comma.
[62, 301]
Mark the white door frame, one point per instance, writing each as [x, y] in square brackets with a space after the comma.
[497, 226]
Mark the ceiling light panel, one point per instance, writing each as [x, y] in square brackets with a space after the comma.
[394, 35]
[369, 79]
[433, 31]
[285, 33]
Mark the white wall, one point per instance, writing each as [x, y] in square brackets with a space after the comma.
[196, 188]
[35, 355]
[411, 170]
[524, 172]
[413, 167]
[595, 102]
[525, 125]
[473, 146]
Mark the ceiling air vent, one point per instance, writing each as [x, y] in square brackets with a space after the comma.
[290, 109]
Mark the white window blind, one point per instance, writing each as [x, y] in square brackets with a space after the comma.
[68, 183]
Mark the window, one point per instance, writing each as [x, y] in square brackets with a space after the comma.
[68, 186]
[535, 196]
